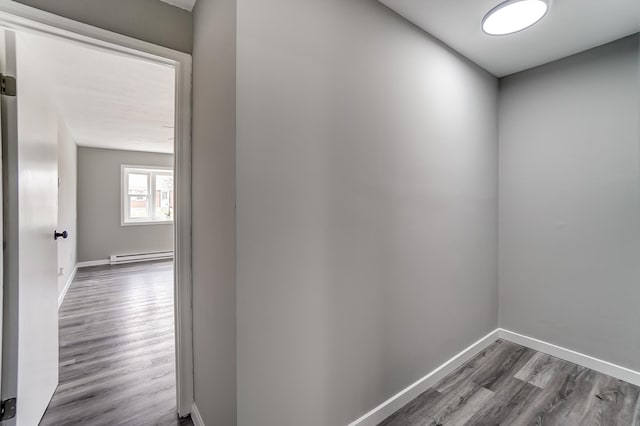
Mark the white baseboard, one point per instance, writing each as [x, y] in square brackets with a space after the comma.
[66, 286]
[93, 263]
[390, 406]
[596, 364]
[195, 416]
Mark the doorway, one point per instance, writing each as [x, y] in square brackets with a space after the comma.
[117, 357]
[24, 23]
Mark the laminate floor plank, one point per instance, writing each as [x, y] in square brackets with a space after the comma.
[458, 407]
[501, 369]
[117, 357]
[507, 404]
[507, 384]
[488, 356]
[414, 411]
[541, 369]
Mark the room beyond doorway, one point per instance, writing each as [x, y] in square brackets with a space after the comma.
[25, 22]
[117, 359]
[115, 121]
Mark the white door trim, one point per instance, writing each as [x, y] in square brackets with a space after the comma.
[24, 18]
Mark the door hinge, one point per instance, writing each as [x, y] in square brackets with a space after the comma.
[7, 85]
[8, 409]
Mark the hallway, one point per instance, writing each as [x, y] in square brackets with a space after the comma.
[117, 348]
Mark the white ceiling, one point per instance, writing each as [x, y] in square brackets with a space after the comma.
[182, 4]
[109, 100]
[571, 26]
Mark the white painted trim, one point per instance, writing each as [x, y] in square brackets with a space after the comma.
[153, 222]
[390, 406]
[150, 171]
[17, 16]
[182, 4]
[397, 401]
[575, 357]
[67, 284]
[182, 238]
[24, 18]
[88, 263]
[196, 418]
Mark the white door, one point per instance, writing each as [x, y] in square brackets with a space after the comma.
[30, 353]
[2, 70]
[9, 385]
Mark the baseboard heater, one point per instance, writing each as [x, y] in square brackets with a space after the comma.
[140, 257]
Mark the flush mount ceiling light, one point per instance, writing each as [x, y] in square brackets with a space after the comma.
[512, 16]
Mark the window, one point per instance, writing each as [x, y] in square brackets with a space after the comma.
[147, 195]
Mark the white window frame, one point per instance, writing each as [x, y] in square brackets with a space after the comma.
[151, 172]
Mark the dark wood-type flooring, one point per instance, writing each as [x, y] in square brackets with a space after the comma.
[117, 368]
[507, 384]
[117, 349]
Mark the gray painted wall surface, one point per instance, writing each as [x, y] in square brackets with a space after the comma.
[67, 205]
[570, 203]
[100, 233]
[148, 20]
[213, 217]
[366, 208]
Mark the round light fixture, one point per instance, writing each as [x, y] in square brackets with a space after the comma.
[512, 16]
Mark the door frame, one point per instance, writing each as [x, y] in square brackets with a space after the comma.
[16, 16]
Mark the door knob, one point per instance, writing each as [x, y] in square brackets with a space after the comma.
[63, 234]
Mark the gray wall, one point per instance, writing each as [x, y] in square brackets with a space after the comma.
[366, 208]
[67, 205]
[148, 20]
[213, 174]
[570, 203]
[100, 233]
